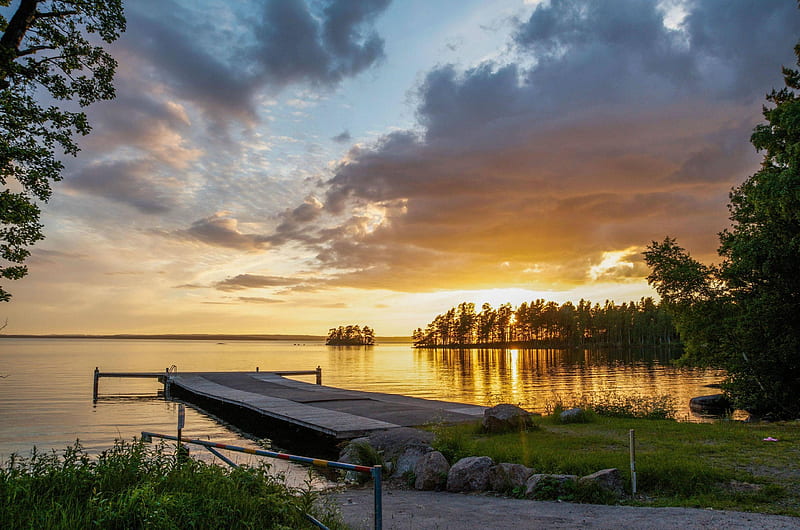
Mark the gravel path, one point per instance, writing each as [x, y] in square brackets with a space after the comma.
[409, 509]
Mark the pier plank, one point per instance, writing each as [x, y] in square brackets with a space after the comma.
[336, 412]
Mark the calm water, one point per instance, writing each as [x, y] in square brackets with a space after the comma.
[46, 396]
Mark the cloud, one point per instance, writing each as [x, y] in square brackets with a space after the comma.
[134, 183]
[298, 44]
[222, 230]
[275, 44]
[342, 138]
[607, 130]
[253, 281]
[259, 300]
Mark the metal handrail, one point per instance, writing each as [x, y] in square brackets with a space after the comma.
[375, 471]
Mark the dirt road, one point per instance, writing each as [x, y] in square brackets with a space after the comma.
[404, 509]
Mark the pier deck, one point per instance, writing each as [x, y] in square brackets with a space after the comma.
[335, 412]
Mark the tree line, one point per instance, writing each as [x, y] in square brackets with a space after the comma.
[353, 335]
[542, 323]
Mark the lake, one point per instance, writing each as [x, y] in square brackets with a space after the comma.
[46, 391]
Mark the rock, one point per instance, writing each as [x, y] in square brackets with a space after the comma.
[349, 452]
[469, 474]
[407, 462]
[506, 477]
[393, 442]
[713, 404]
[608, 479]
[431, 471]
[506, 418]
[537, 481]
[350, 455]
[572, 415]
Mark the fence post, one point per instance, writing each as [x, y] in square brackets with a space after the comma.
[632, 435]
[96, 379]
[376, 476]
[319, 375]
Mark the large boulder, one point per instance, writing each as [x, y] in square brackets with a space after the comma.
[349, 453]
[469, 474]
[607, 479]
[357, 451]
[548, 486]
[574, 415]
[392, 443]
[506, 418]
[431, 471]
[713, 404]
[407, 462]
[506, 477]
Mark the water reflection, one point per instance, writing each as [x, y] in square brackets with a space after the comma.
[531, 377]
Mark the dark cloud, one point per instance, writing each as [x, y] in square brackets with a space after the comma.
[298, 44]
[222, 230]
[223, 89]
[134, 183]
[252, 281]
[612, 130]
[342, 138]
[279, 44]
[293, 222]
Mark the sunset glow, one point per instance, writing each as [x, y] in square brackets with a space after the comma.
[382, 163]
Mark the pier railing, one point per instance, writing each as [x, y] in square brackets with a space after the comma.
[374, 471]
[164, 377]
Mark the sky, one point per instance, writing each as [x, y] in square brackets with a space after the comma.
[277, 166]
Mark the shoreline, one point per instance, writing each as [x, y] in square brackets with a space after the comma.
[188, 336]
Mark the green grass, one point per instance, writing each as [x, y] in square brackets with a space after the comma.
[134, 485]
[724, 465]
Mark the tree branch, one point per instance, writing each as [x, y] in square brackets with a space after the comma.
[34, 49]
[55, 14]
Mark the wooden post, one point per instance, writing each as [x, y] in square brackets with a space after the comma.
[319, 375]
[632, 436]
[96, 379]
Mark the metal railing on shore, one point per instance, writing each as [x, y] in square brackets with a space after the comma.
[374, 471]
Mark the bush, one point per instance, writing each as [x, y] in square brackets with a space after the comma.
[135, 486]
[612, 404]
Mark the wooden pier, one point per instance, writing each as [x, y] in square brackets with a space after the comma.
[333, 412]
[268, 399]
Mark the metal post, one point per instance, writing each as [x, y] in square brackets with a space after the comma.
[376, 476]
[96, 379]
[632, 436]
[319, 375]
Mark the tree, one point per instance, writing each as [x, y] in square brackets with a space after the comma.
[46, 57]
[744, 315]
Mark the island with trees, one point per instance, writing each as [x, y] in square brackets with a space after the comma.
[352, 335]
[541, 323]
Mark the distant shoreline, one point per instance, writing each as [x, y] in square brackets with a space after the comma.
[191, 336]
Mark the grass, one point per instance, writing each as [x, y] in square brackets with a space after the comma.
[134, 485]
[723, 465]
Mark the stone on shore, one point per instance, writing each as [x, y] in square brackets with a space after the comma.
[469, 474]
[575, 415]
[407, 462]
[506, 418]
[431, 471]
[607, 479]
[506, 477]
[538, 481]
[713, 404]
